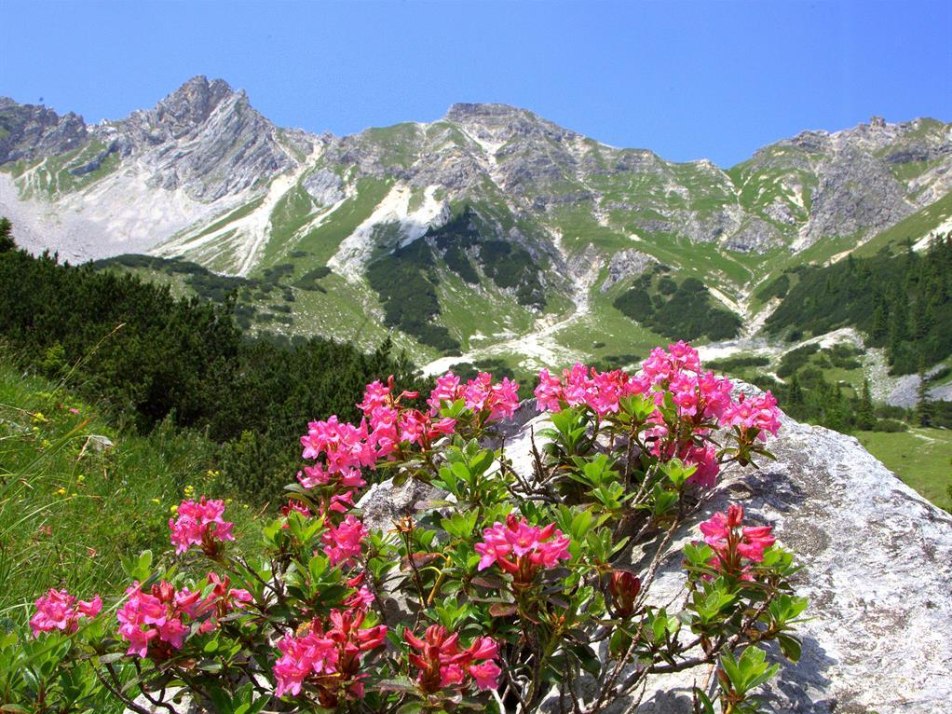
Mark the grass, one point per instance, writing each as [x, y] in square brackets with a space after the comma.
[322, 242]
[606, 335]
[55, 174]
[235, 215]
[921, 457]
[69, 509]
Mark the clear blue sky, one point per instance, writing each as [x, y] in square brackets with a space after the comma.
[688, 80]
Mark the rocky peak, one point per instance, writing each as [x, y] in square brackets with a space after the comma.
[193, 103]
[501, 122]
[29, 131]
[205, 138]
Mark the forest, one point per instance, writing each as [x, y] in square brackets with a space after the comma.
[148, 358]
[901, 302]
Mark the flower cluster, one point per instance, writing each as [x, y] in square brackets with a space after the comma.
[733, 543]
[521, 549]
[758, 415]
[200, 523]
[342, 450]
[156, 623]
[342, 542]
[600, 391]
[328, 659]
[480, 395]
[58, 610]
[442, 664]
[701, 401]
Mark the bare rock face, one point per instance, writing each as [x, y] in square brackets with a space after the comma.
[205, 138]
[28, 131]
[626, 264]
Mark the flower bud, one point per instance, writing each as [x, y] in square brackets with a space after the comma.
[624, 586]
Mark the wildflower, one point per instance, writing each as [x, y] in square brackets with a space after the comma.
[58, 610]
[443, 664]
[342, 543]
[480, 395]
[293, 506]
[330, 661]
[733, 542]
[200, 523]
[521, 549]
[156, 623]
[624, 586]
[759, 415]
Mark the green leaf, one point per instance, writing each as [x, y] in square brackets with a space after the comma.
[790, 646]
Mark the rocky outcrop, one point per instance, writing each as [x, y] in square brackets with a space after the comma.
[29, 132]
[877, 566]
[206, 138]
[626, 264]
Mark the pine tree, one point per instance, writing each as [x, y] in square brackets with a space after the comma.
[923, 405]
[865, 416]
[6, 236]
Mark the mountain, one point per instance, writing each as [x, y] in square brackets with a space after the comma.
[490, 232]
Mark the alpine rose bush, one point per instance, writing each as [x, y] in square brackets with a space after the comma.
[503, 588]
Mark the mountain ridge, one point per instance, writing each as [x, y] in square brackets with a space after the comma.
[205, 177]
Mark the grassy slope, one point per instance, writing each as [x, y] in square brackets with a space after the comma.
[69, 512]
[920, 457]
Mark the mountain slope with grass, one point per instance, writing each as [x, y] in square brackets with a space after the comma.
[500, 224]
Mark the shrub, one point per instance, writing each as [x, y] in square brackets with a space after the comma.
[505, 590]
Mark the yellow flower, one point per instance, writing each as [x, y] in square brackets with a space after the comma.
[61, 491]
[39, 418]
[173, 508]
[156, 501]
[189, 491]
[80, 478]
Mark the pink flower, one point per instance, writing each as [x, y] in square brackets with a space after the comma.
[581, 386]
[548, 393]
[446, 390]
[328, 660]
[293, 506]
[342, 543]
[200, 523]
[485, 674]
[522, 549]
[704, 458]
[58, 610]
[376, 395]
[504, 400]
[732, 543]
[157, 623]
[760, 414]
[302, 657]
[442, 664]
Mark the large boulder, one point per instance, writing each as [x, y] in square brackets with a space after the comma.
[877, 568]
